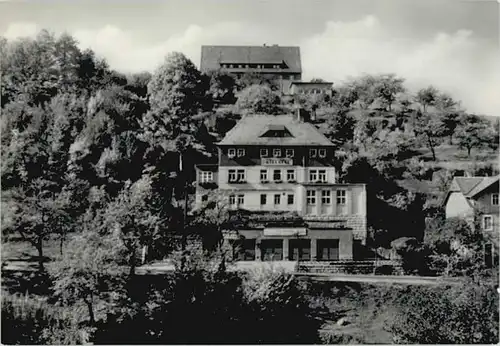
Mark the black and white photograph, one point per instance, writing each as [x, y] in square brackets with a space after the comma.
[217, 172]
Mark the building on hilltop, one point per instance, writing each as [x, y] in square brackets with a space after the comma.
[272, 61]
[277, 171]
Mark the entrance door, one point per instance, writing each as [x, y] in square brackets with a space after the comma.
[299, 249]
[328, 249]
[272, 249]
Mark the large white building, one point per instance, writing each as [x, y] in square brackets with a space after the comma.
[279, 171]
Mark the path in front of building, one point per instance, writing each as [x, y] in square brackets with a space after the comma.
[290, 267]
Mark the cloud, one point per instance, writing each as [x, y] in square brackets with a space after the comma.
[20, 29]
[457, 63]
[127, 54]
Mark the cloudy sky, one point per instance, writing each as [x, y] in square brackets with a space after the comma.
[451, 44]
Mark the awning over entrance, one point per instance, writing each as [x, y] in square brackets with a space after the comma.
[285, 232]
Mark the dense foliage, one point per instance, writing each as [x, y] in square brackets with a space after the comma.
[103, 162]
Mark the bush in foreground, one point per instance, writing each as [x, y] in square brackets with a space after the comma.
[204, 304]
[27, 321]
[447, 315]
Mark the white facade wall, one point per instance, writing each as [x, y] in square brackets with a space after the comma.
[252, 189]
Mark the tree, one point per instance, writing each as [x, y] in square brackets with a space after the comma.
[66, 56]
[39, 213]
[428, 129]
[214, 219]
[222, 87]
[337, 126]
[427, 97]
[474, 133]
[258, 99]
[413, 254]
[88, 271]
[138, 83]
[363, 90]
[252, 78]
[131, 216]
[364, 131]
[387, 88]
[29, 69]
[178, 97]
[457, 247]
[344, 97]
[465, 314]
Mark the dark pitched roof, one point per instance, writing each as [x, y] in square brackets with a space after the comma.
[249, 129]
[465, 184]
[470, 186]
[213, 56]
[483, 185]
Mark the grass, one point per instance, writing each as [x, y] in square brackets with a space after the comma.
[451, 156]
[22, 255]
[20, 265]
[367, 308]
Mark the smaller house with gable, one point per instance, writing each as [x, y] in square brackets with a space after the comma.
[468, 195]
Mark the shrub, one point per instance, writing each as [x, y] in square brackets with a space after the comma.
[201, 303]
[278, 309]
[413, 254]
[26, 321]
[451, 315]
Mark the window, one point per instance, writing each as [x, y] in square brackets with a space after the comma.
[322, 175]
[263, 175]
[240, 175]
[232, 175]
[277, 198]
[326, 197]
[241, 199]
[263, 153]
[327, 249]
[289, 153]
[277, 175]
[263, 199]
[272, 249]
[341, 197]
[231, 152]
[299, 249]
[290, 199]
[290, 175]
[206, 177]
[312, 152]
[313, 175]
[494, 199]
[487, 222]
[232, 199]
[204, 198]
[311, 197]
[322, 152]
[277, 152]
[241, 152]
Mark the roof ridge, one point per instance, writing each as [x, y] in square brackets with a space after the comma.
[483, 185]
